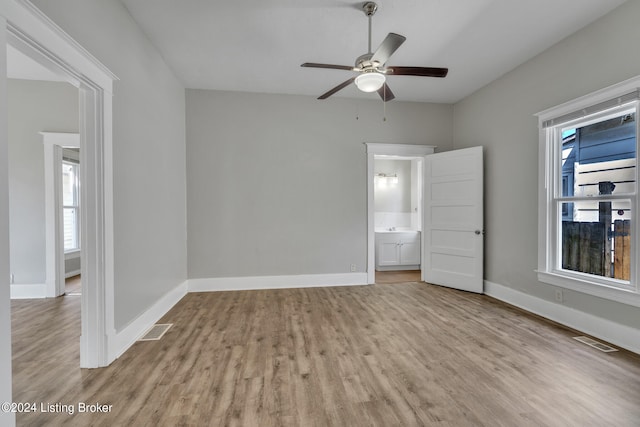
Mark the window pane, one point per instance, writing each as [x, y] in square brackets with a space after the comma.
[600, 158]
[597, 240]
[69, 195]
[70, 217]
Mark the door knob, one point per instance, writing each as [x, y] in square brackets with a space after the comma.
[478, 232]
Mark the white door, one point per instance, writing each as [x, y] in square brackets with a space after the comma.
[453, 226]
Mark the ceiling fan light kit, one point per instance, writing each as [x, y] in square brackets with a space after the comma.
[372, 67]
[370, 82]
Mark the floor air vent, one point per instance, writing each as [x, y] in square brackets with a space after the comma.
[156, 332]
[595, 344]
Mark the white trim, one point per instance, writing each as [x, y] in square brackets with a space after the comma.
[24, 17]
[54, 242]
[214, 284]
[378, 149]
[371, 221]
[28, 291]
[548, 166]
[122, 340]
[600, 290]
[620, 335]
[72, 254]
[405, 150]
[61, 139]
[7, 419]
[53, 142]
[72, 273]
[593, 98]
[398, 268]
[34, 34]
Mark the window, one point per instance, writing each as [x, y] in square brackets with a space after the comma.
[588, 194]
[71, 206]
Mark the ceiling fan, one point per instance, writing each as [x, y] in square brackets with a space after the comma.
[371, 67]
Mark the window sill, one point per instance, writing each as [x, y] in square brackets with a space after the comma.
[72, 254]
[623, 296]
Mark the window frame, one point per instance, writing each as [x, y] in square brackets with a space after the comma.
[76, 206]
[593, 107]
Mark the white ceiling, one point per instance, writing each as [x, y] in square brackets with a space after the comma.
[258, 45]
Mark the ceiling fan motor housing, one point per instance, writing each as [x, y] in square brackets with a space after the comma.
[364, 62]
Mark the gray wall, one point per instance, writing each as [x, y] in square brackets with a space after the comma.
[148, 152]
[395, 198]
[501, 118]
[72, 265]
[34, 106]
[277, 184]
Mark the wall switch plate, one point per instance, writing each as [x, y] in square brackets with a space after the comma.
[353, 267]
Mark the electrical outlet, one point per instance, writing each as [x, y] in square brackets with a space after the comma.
[559, 296]
[353, 267]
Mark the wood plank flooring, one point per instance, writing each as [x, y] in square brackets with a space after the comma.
[383, 355]
[398, 276]
[73, 285]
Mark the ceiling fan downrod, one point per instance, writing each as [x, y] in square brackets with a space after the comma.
[369, 9]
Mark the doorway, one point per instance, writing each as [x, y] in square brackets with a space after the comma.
[394, 219]
[62, 207]
[397, 188]
[41, 41]
[452, 245]
[42, 234]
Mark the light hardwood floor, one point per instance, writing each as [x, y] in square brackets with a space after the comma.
[398, 276]
[73, 285]
[382, 355]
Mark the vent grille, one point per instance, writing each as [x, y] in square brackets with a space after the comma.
[156, 332]
[595, 344]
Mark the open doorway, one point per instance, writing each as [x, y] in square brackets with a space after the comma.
[71, 206]
[395, 176]
[39, 172]
[62, 206]
[397, 193]
[38, 39]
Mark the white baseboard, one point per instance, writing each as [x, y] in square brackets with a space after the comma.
[621, 335]
[121, 341]
[275, 282]
[72, 273]
[399, 268]
[22, 291]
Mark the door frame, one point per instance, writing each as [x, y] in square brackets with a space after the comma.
[377, 149]
[35, 35]
[53, 143]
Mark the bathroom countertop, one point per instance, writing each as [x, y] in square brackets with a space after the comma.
[397, 230]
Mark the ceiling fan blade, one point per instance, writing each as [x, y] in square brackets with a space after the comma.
[418, 71]
[337, 88]
[331, 66]
[388, 46]
[385, 93]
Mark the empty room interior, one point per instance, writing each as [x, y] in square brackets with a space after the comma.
[327, 213]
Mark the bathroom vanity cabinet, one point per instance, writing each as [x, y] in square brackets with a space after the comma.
[397, 250]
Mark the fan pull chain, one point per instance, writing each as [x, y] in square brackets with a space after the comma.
[384, 104]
